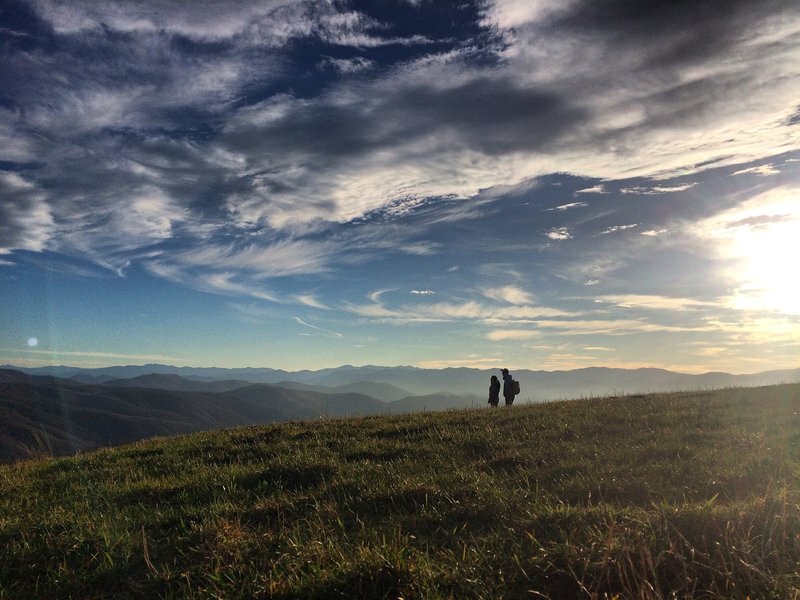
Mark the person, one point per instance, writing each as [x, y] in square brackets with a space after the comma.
[508, 387]
[494, 391]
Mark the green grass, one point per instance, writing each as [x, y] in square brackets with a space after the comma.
[691, 495]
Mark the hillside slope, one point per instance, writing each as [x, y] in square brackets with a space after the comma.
[44, 416]
[651, 497]
[48, 416]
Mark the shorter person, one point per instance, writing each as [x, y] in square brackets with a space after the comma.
[494, 391]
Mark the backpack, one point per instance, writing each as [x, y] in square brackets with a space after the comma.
[515, 386]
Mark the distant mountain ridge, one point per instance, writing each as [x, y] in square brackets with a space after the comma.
[381, 391]
[536, 385]
[169, 381]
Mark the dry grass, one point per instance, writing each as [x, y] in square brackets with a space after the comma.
[656, 497]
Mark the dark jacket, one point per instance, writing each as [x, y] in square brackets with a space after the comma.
[508, 385]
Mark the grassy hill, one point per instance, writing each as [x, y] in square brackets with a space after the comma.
[663, 496]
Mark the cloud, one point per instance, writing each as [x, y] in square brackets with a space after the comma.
[347, 65]
[363, 147]
[271, 23]
[569, 206]
[653, 302]
[516, 14]
[53, 354]
[422, 292]
[512, 334]
[668, 34]
[616, 228]
[596, 189]
[454, 311]
[26, 222]
[657, 189]
[280, 258]
[509, 294]
[251, 263]
[617, 327]
[316, 328]
[376, 295]
[313, 302]
[560, 233]
[216, 282]
[763, 170]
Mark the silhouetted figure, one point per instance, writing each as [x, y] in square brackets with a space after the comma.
[508, 387]
[494, 391]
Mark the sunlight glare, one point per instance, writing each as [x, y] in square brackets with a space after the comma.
[764, 237]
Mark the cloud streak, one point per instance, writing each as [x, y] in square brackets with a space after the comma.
[316, 328]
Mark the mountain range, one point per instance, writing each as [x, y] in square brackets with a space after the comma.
[413, 381]
[61, 410]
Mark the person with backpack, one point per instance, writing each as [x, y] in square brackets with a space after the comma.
[494, 392]
[508, 387]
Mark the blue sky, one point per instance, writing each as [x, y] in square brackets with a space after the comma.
[523, 183]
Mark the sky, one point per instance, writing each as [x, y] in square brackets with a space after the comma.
[542, 184]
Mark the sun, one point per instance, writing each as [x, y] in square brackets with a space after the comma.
[763, 238]
[770, 269]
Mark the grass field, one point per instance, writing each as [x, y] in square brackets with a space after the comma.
[692, 495]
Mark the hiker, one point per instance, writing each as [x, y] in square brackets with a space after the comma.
[508, 387]
[494, 391]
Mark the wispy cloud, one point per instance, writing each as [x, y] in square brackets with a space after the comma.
[312, 301]
[569, 206]
[616, 228]
[596, 189]
[652, 190]
[453, 311]
[659, 302]
[56, 353]
[26, 221]
[316, 328]
[763, 170]
[513, 334]
[560, 233]
[510, 294]
[376, 295]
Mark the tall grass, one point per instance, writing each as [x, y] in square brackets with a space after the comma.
[647, 497]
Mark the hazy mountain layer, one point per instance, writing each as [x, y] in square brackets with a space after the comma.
[536, 385]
